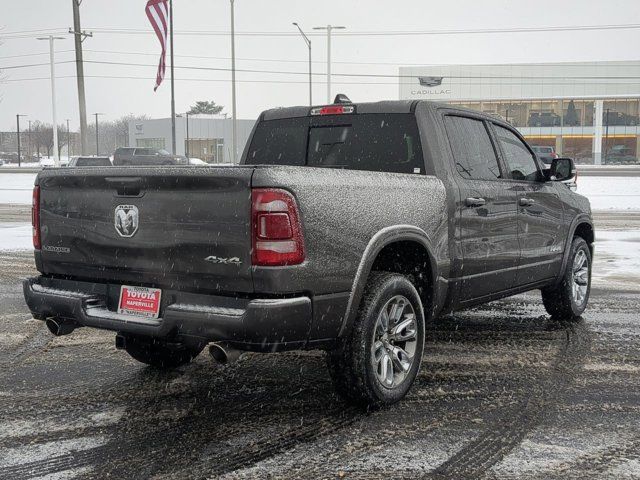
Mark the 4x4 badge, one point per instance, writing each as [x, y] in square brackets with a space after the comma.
[126, 220]
[223, 261]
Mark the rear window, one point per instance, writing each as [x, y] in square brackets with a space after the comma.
[543, 149]
[374, 142]
[93, 162]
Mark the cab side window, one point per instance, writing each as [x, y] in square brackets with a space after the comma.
[473, 152]
[521, 162]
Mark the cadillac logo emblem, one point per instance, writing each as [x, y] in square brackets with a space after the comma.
[126, 220]
[430, 81]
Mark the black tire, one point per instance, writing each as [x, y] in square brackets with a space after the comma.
[560, 301]
[159, 354]
[352, 367]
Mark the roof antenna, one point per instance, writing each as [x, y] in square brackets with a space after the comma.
[342, 98]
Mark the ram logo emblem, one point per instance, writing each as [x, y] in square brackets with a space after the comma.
[126, 220]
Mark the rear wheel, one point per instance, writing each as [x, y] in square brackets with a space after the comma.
[568, 300]
[379, 362]
[159, 354]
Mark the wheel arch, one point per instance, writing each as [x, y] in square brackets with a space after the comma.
[581, 226]
[382, 252]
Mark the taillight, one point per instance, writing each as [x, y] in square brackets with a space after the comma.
[35, 218]
[276, 228]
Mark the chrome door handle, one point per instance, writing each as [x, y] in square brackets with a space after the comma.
[526, 202]
[474, 202]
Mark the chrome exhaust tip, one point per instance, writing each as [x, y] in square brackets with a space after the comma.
[223, 353]
[59, 328]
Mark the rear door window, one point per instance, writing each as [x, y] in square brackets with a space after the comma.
[373, 142]
[473, 152]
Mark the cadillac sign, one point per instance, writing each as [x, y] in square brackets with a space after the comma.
[430, 83]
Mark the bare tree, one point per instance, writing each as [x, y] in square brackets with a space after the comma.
[62, 138]
[112, 134]
[42, 136]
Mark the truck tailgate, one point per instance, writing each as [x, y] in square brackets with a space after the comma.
[178, 227]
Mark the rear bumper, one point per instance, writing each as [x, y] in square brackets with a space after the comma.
[249, 324]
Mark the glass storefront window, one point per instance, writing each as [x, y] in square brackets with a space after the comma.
[211, 150]
[620, 113]
[578, 147]
[157, 143]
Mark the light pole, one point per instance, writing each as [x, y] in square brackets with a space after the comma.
[51, 39]
[68, 141]
[329, 28]
[233, 86]
[97, 136]
[188, 149]
[29, 141]
[18, 133]
[308, 42]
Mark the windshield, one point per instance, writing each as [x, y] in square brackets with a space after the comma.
[375, 142]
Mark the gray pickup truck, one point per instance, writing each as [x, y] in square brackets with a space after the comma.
[346, 228]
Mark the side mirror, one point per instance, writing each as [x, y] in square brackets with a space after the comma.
[561, 169]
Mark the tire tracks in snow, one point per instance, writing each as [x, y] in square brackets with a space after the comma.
[492, 445]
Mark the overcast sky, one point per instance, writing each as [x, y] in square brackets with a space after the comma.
[119, 95]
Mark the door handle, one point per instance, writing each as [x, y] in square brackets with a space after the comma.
[474, 202]
[526, 202]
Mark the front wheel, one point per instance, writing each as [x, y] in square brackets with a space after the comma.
[568, 300]
[379, 361]
[157, 353]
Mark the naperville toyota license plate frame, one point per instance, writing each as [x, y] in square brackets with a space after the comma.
[139, 301]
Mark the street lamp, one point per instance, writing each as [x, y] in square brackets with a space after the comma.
[97, 136]
[329, 28]
[18, 133]
[51, 39]
[308, 42]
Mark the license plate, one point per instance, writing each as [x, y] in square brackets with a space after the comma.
[139, 301]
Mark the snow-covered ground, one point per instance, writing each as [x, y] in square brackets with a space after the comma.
[617, 259]
[611, 193]
[15, 236]
[16, 188]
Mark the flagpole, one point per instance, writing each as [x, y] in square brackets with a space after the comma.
[234, 140]
[173, 98]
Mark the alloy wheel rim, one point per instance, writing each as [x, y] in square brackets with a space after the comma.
[580, 277]
[394, 342]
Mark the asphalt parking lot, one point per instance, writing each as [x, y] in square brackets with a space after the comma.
[503, 393]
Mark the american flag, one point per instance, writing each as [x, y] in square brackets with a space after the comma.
[158, 14]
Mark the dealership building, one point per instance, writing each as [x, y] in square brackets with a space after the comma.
[589, 111]
[207, 137]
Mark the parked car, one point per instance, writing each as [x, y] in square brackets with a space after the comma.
[544, 119]
[346, 228]
[545, 154]
[613, 118]
[197, 161]
[89, 162]
[146, 156]
[620, 155]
